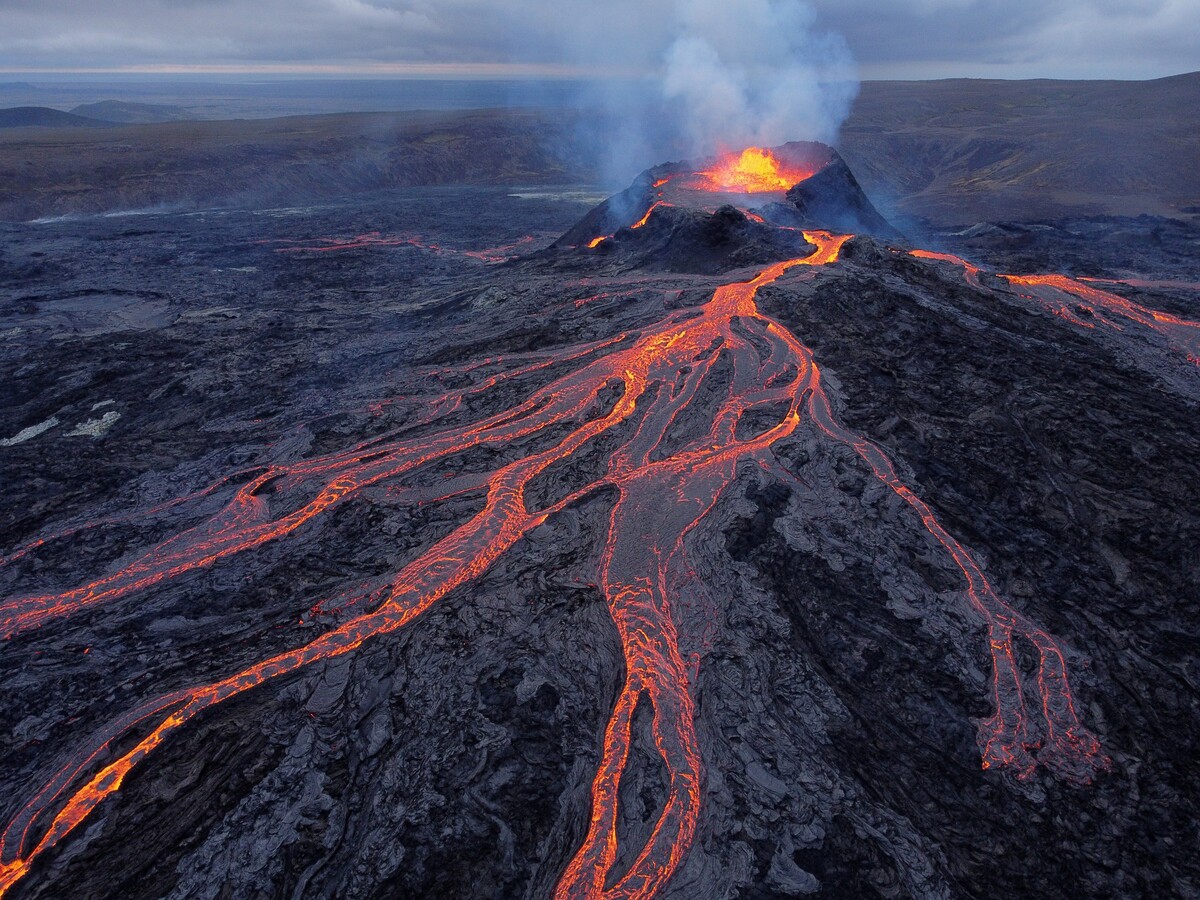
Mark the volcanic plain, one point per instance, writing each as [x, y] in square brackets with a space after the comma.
[478, 541]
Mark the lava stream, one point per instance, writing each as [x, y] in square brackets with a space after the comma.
[662, 494]
[1085, 305]
[970, 270]
[1094, 303]
[597, 241]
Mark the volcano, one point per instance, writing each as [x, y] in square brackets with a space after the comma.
[730, 210]
[718, 549]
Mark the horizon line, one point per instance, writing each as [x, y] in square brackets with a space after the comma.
[416, 70]
[508, 71]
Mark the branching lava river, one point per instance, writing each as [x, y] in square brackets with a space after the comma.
[628, 395]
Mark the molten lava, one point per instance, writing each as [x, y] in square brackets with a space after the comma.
[661, 492]
[600, 239]
[754, 171]
[970, 270]
[1087, 306]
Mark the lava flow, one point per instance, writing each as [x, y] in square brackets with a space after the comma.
[597, 241]
[1094, 305]
[632, 391]
[753, 171]
[1086, 305]
[971, 271]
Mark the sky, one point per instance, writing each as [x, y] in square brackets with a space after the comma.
[573, 38]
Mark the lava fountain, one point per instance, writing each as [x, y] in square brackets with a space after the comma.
[753, 171]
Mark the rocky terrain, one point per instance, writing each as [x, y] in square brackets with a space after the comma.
[47, 172]
[971, 150]
[45, 117]
[397, 362]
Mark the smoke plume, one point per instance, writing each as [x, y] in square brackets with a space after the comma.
[755, 72]
[722, 76]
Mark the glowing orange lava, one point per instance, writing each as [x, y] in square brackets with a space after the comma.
[754, 171]
[1087, 306]
[662, 493]
[600, 239]
[646, 218]
[970, 270]
[1104, 307]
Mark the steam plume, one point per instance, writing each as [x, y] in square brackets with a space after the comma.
[755, 72]
[724, 75]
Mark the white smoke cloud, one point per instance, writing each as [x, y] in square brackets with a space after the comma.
[721, 76]
[756, 72]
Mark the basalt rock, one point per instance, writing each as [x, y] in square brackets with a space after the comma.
[832, 200]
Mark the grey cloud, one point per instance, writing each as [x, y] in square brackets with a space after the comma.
[1118, 38]
[1019, 38]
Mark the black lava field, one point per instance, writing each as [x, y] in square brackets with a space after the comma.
[716, 540]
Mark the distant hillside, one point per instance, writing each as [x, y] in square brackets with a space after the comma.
[953, 152]
[277, 161]
[44, 117]
[133, 113]
[969, 150]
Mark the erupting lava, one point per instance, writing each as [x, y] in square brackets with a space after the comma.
[754, 171]
[732, 180]
[631, 391]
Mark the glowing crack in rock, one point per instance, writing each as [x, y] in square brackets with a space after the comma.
[632, 389]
